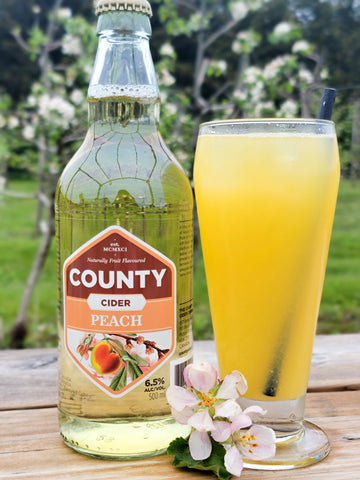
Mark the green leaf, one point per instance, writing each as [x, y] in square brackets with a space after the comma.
[183, 459]
[119, 381]
[139, 360]
[117, 342]
[127, 357]
[88, 339]
[134, 371]
[37, 38]
[133, 358]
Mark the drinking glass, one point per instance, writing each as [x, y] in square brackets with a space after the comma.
[266, 193]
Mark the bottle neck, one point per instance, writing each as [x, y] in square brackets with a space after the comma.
[123, 87]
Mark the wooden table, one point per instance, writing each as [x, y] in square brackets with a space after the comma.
[31, 448]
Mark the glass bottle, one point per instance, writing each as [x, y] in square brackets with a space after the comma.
[124, 234]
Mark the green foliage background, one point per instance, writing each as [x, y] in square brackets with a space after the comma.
[214, 59]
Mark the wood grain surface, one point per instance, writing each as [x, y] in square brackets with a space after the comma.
[31, 447]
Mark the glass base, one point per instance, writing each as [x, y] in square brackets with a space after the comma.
[311, 446]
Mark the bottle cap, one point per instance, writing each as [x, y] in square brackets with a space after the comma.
[124, 5]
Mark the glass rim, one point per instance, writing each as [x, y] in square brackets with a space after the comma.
[270, 120]
[268, 126]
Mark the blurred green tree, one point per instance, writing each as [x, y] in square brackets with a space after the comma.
[214, 58]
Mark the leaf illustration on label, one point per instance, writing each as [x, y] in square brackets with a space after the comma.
[119, 381]
[134, 370]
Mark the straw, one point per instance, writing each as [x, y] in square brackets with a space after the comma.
[272, 382]
[327, 103]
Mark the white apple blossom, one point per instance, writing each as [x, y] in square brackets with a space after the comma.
[166, 78]
[57, 108]
[37, 88]
[227, 110]
[288, 109]
[237, 46]
[324, 74]
[13, 122]
[238, 9]
[64, 108]
[77, 97]
[44, 104]
[258, 443]
[163, 96]
[55, 78]
[88, 70]
[71, 45]
[282, 28]
[171, 108]
[181, 155]
[256, 92]
[196, 22]
[36, 9]
[28, 132]
[306, 76]
[245, 42]
[252, 75]
[167, 50]
[210, 407]
[253, 84]
[31, 100]
[240, 94]
[301, 46]
[272, 68]
[219, 66]
[264, 107]
[63, 13]
[201, 376]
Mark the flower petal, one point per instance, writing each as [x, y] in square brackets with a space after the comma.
[240, 421]
[202, 421]
[233, 461]
[200, 445]
[201, 376]
[222, 431]
[179, 397]
[228, 409]
[183, 416]
[259, 443]
[232, 386]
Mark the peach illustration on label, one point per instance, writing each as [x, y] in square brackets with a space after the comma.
[104, 359]
[121, 359]
[119, 310]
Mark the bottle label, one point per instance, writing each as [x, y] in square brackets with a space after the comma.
[119, 310]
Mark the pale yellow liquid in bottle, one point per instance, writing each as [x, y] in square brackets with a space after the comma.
[142, 189]
[266, 207]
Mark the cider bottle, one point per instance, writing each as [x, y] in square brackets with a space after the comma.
[124, 233]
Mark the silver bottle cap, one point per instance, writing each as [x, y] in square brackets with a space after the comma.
[124, 5]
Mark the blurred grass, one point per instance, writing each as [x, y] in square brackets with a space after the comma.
[340, 306]
[18, 246]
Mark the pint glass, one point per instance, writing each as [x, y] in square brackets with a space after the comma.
[266, 193]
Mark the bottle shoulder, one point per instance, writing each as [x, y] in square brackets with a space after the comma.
[133, 161]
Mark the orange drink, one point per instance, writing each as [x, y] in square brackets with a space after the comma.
[266, 194]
